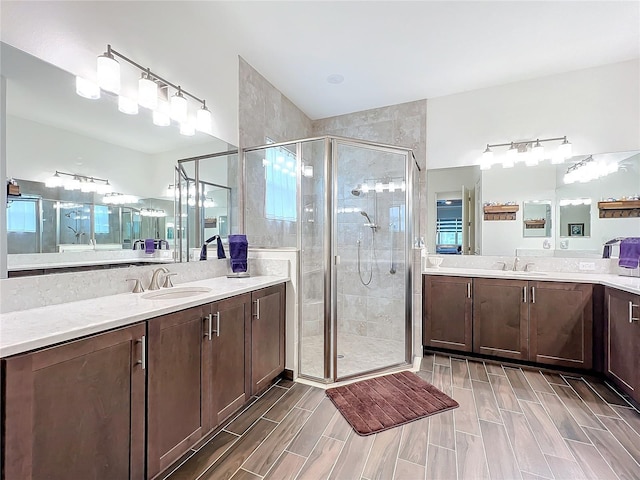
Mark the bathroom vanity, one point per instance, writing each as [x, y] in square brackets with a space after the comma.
[577, 321]
[160, 375]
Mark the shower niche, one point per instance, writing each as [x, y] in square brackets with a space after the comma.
[353, 202]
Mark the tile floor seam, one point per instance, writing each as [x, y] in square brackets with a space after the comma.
[513, 451]
[597, 451]
[574, 418]
[333, 467]
[571, 415]
[616, 439]
[587, 405]
[608, 462]
[552, 477]
[475, 404]
[455, 445]
[395, 465]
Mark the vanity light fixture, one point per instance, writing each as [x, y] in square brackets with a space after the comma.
[588, 169]
[531, 152]
[74, 181]
[119, 199]
[380, 185]
[152, 212]
[152, 91]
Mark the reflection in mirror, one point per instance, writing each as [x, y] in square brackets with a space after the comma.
[449, 226]
[577, 226]
[536, 218]
[90, 138]
[575, 217]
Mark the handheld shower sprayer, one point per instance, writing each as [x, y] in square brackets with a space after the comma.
[364, 214]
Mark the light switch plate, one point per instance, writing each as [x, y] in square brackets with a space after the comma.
[590, 266]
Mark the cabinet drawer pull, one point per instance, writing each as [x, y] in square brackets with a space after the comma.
[209, 326]
[257, 314]
[143, 352]
[469, 290]
[524, 294]
[631, 317]
[533, 294]
[217, 330]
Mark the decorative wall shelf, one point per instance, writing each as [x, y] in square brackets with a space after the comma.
[535, 223]
[500, 212]
[619, 209]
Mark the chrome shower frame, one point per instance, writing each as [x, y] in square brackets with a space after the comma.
[330, 258]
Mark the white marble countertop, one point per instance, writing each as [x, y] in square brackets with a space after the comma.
[35, 328]
[627, 284]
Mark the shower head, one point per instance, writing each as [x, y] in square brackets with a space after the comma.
[364, 214]
[355, 192]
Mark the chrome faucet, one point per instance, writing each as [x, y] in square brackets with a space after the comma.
[526, 267]
[154, 285]
[515, 264]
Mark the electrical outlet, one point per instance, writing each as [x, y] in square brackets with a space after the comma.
[590, 266]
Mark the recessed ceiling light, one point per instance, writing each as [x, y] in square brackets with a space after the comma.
[335, 78]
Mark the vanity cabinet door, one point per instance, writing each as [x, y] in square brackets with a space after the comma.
[77, 410]
[561, 324]
[622, 336]
[177, 399]
[447, 308]
[267, 336]
[501, 318]
[229, 374]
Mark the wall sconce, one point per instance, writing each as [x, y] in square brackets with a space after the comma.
[531, 152]
[588, 169]
[153, 93]
[74, 181]
[119, 199]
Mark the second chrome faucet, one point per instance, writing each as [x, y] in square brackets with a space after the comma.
[155, 285]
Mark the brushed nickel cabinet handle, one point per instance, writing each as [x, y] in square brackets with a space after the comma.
[533, 294]
[469, 290]
[210, 327]
[143, 352]
[631, 317]
[524, 294]
[257, 314]
[217, 330]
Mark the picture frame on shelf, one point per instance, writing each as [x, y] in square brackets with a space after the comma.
[576, 229]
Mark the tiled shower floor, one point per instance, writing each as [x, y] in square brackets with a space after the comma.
[359, 354]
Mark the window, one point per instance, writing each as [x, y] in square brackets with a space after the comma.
[101, 219]
[21, 216]
[281, 184]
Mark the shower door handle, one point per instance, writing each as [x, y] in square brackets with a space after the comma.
[337, 260]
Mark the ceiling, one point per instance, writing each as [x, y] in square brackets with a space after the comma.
[387, 51]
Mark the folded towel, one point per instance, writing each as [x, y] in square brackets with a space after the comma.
[629, 252]
[149, 245]
[203, 251]
[238, 246]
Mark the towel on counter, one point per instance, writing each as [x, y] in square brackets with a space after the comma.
[203, 251]
[149, 245]
[629, 252]
[238, 246]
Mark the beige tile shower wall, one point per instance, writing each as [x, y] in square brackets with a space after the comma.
[264, 112]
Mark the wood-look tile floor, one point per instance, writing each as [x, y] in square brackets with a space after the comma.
[512, 423]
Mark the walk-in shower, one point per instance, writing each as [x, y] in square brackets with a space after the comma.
[346, 206]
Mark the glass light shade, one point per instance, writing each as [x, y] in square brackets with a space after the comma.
[529, 159]
[53, 181]
[148, 93]
[88, 186]
[109, 73]
[127, 105]
[203, 120]
[71, 184]
[487, 157]
[565, 149]
[179, 108]
[365, 188]
[512, 153]
[392, 187]
[161, 114]
[379, 187]
[187, 128]
[508, 162]
[104, 188]
[537, 152]
[87, 89]
[557, 159]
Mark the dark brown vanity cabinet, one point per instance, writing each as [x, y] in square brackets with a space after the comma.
[228, 324]
[447, 307]
[542, 322]
[561, 324]
[77, 410]
[178, 397]
[267, 336]
[501, 318]
[622, 340]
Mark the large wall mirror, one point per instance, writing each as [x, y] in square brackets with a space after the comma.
[49, 129]
[553, 218]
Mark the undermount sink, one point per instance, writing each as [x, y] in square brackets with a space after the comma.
[527, 273]
[176, 292]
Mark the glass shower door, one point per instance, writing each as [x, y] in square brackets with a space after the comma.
[370, 248]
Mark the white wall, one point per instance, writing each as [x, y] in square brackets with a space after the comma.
[598, 109]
